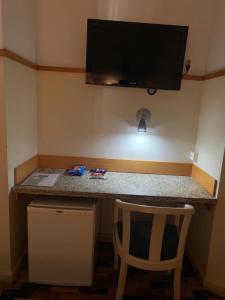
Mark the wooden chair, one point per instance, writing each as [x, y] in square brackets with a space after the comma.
[150, 245]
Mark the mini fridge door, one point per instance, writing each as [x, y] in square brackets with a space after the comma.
[61, 245]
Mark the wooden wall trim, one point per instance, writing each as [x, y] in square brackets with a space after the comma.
[61, 69]
[193, 77]
[206, 180]
[25, 169]
[215, 75]
[83, 70]
[16, 57]
[119, 165]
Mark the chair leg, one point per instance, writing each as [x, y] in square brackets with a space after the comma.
[116, 259]
[177, 279]
[122, 281]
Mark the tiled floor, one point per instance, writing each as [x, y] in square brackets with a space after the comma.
[140, 284]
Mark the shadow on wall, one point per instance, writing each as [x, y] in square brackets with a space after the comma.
[216, 265]
[205, 240]
[18, 230]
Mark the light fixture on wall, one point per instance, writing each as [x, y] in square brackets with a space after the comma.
[143, 116]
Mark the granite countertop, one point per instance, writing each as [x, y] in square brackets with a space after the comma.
[124, 186]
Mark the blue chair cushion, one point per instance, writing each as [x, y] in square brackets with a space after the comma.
[140, 239]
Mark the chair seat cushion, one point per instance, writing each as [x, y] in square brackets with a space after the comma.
[140, 239]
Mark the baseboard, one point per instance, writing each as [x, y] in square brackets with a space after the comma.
[218, 290]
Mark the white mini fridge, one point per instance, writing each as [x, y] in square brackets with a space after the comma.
[61, 241]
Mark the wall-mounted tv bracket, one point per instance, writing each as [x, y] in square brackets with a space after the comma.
[187, 66]
[152, 92]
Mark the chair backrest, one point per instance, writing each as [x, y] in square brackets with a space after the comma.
[181, 215]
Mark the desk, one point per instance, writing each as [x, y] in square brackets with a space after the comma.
[141, 188]
[125, 186]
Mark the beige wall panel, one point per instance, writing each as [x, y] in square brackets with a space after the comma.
[211, 138]
[1, 27]
[5, 263]
[21, 113]
[216, 264]
[19, 27]
[216, 60]
[76, 119]
[210, 225]
[62, 26]
[21, 104]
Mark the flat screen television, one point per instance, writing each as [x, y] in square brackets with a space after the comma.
[135, 54]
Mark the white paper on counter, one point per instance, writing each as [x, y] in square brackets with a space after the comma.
[41, 179]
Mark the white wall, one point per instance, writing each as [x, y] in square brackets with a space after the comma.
[19, 35]
[211, 138]
[109, 124]
[21, 133]
[83, 120]
[21, 114]
[216, 59]
[210, 146]
[215, 276]
[62, 25]
[5, 263]
[208, 224]
[1, 27]
[213, 108]
[19, 27]
[62, 31]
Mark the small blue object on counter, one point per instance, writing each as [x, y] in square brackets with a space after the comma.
[97, 173]
[76, 171]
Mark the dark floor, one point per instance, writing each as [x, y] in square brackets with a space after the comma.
[140, 284]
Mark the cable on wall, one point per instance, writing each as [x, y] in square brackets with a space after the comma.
[152, 92]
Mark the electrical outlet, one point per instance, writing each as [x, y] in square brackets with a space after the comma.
[193, 156]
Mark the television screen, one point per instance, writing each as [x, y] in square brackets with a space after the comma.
[135, 54]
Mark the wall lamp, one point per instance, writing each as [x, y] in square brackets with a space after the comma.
[143, 116]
